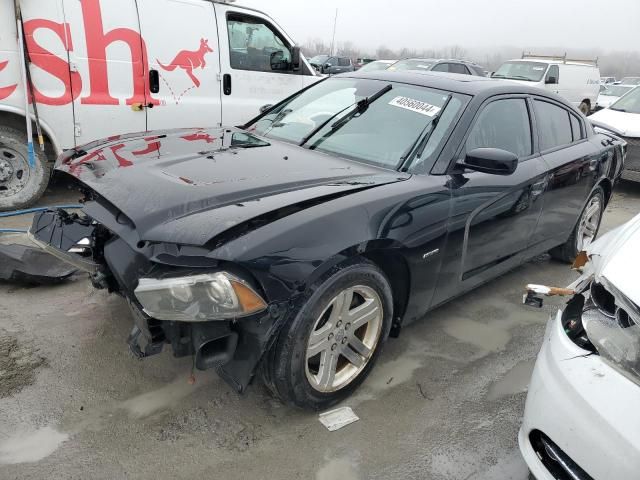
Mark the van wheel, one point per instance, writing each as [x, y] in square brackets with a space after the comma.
[585, 230]
[585, 108]
[20, 185]
[329, 348]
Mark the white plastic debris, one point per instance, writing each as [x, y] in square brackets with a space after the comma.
[338, 418]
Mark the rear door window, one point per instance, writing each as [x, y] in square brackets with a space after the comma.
[344, 62]
[576, 129]
[503, 124]
[458, 68]
[441, 67]
[554, 126]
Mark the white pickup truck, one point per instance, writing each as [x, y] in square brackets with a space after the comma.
[104, 67]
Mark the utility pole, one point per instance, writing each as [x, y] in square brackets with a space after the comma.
[333, 39]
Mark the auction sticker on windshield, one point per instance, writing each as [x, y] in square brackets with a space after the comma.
[415, 106]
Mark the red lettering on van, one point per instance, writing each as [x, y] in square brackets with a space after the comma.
[199, 136]
[97, 42]
[51, 63]
[6, 92]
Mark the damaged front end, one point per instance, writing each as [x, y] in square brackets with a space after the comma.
[603, 316]
[213, 311]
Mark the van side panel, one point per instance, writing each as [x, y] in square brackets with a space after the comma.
[579, 82]
[183, 48]
[48, 40]
[108, 54]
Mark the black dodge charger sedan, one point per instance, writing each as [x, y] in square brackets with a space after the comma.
[294, 246]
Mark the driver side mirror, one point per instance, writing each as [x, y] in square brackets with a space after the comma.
[277, 61]
[551, 81]
[494, 161]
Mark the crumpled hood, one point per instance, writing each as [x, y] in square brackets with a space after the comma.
[627, 123]
[187, 186]
[616, 257]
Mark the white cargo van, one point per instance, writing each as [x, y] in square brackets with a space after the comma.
[105, 67]
[578, 81]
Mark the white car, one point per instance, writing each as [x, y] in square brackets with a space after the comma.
[630, 81]
[610, 93]
[582, 416]
[624, 116]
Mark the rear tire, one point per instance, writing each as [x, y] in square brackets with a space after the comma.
[585, 108]
[320, 356]
[585, 230]
[20, 185]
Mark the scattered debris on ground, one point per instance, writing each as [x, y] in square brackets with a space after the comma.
[18, 363]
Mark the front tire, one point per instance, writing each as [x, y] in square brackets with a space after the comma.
[331, 345]
[585, 108]
[20, 185]
[585, 230]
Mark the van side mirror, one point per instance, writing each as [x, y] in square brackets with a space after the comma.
[551, 81]
[295, 58]
[494, 161]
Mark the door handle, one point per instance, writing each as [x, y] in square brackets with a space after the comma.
[139, 107]
[226, 84]
[154, 81]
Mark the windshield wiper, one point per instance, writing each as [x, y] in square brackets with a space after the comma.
[513, 77]
[618, 109]
[360, 107]
[421, 141]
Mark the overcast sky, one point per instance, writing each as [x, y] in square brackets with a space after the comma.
[471, 23]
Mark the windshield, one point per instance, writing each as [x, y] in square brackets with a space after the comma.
[615, 90]
[333, 117]
[630, 81]
[373, 66]
[529, 71]
[319, 59]
[629, 103]
[412, 64]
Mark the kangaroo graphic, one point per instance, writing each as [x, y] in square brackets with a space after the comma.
[189, 60]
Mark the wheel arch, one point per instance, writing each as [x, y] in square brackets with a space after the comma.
[15, 118]
[385, 255]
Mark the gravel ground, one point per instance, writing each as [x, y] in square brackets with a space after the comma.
[444, 402]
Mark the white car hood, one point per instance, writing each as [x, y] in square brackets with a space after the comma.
[627, 123]
[616, 257]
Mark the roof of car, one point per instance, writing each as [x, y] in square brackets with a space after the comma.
[434, 60]
[453, 82]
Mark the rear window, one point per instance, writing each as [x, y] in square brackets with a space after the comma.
[554, 125]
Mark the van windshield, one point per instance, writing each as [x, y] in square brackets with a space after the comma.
[529, 71]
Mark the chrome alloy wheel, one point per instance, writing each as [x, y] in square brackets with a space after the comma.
[589, 222]
[344, 338]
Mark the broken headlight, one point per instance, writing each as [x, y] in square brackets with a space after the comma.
[198, 298]
[612, 324]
